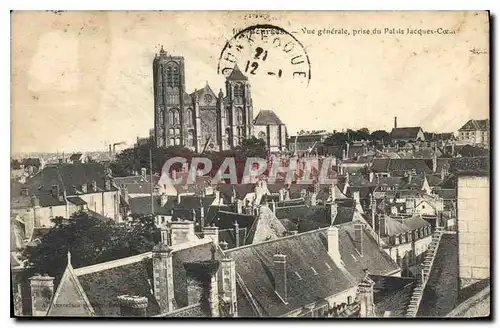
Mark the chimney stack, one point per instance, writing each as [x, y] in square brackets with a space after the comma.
[333, 212]
[182, 232]
[163, 277]
[365, 288]
[382, 226]
[202, 285]
[239, 206]
[143, 173]
[280, 279]
[395, 122]
[212, 232]
[228, 273]
[55, 191]
[42, 289]
[358, 237]
[333, 244]
[133, 306]
[434, 161]
[236, 234]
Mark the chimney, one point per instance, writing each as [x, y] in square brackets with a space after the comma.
[371, 176]
[212, 232]
[84, 188]
[110, 150]
[132, 306]
[55, 191]
[280, 280]
[143, 173]
[202, 285]
[228, 275]
[182, 232]
[434, 162]
[272, 206]
[163, 277]
[239, 206]
[223, 244]
[382, 226]
[395, 122]
[355, 196]
[333, 197]
[25, 191]
[365, 290]
[281, 195]
[35, 201]
[358, 237]
[42, 289]
[333, 212]
[333, 244]
[163, 199]
[236, 234]
[94, 186]
[107, 183]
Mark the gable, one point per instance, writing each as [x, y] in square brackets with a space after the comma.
[69, 298]
[266, 227]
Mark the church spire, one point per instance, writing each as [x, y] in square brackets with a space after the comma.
[237, 75]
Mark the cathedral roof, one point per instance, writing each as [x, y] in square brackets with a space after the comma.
[267, 117]
[237, 75]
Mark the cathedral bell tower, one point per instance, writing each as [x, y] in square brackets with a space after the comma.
[238, 108]
[169, 99]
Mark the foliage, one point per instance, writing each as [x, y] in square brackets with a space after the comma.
[473, 151]
[90, 240]
[15, 164]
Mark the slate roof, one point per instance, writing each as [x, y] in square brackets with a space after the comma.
[476, 125]
[405, 133]
[237, 75]
[254, 267]
[446, 193]
[142, 205]
[67, 176]
[441, 293]
[394, 227]
[415, 222]
[75, 157]
[225, 220]
[226, 190]
[267, 117]
[392, 294]
[380, 164]
[77, 201]
[229, 236]
[474, 166]
[408, 164]
[104, 282]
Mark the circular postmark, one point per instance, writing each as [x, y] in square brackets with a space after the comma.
[266, 50]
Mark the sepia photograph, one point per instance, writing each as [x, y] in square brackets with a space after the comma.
[250, 164]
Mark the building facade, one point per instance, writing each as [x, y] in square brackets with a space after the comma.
[474, 132]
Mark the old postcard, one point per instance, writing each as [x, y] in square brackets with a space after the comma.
[250, 164]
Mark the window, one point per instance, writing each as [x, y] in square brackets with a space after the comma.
[176, 119]
[262, 135]
[177, 141]
[172, 75]
[239, 90]
[239, 115]
[170, 117]
[190, 138]
[172, 142]
[189, 117]
[227, 119]
[171, 131]
[349, 299]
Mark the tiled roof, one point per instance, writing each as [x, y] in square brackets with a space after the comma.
[476, 125]
[237, 75]
[415, 222]
[405, 133]
[479, 166]
[304, 252]
[267, 117]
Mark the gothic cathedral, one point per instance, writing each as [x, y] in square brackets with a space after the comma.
[200, 120]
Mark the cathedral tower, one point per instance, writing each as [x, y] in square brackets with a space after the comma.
[169, 99]
[238, 108]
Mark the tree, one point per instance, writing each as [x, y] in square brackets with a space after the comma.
[253, 147]
[363, 134]
[90, 240]
[15, 164]
[380, 135]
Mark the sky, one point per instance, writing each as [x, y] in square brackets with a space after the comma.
[83, 80]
